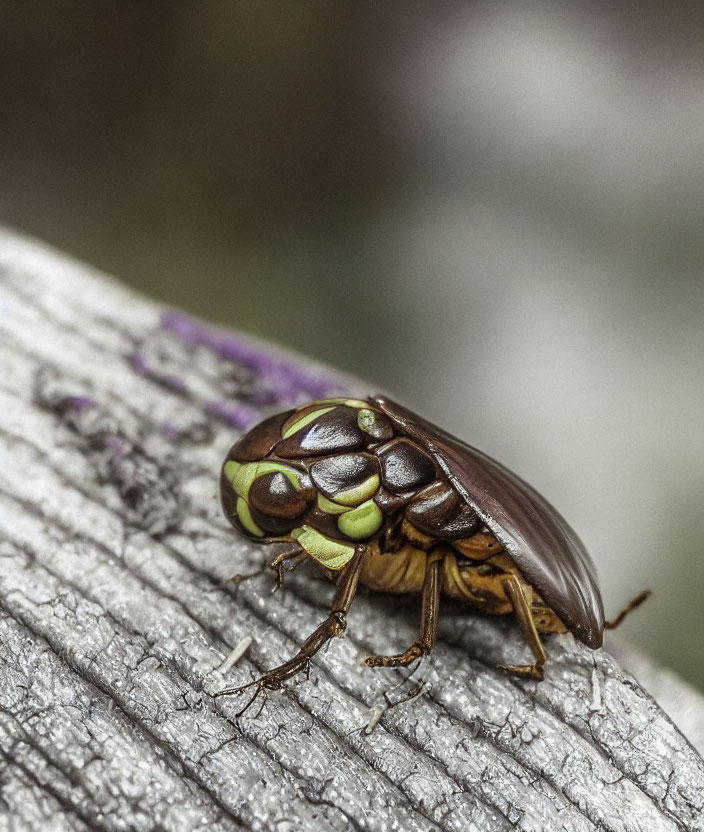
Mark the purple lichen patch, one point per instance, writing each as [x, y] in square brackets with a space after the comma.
[145, 481]
[240, 416]
[225, 377]
[139, 362]
[193, 433]
[169, 430]
[278, 381]
[115, 446]
[171, 381]
[148, 487]
[80, 403]
[73, 408]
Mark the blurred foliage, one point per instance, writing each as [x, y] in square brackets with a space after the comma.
[210, 153]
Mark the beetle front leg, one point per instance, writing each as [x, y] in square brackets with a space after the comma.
[428, 622]
[521, 606]
[334, 625]
[297, 556]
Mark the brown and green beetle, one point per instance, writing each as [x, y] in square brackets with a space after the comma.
[376, 494]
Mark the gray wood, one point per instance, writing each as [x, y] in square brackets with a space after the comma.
[115, 617]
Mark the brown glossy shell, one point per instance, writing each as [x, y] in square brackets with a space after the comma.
[546, 550]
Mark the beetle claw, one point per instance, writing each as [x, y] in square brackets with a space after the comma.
[269, 681]
[535, 671]
[415, 651]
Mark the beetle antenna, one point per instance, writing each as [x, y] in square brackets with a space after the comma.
[631, 605]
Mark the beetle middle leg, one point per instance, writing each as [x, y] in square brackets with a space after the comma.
[428, 622]
[521, 606]
[334, 625]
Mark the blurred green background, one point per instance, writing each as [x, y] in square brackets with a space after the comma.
[493, 211]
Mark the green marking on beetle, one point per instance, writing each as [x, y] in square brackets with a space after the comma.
[367, 419]
[329, 553]
[363, 491]
[230, 469]
[329, 507]
[243, 477]
[246, 518]
[362, 521]
[348, 402]
[244, 474]
[268, 467]
[305, 420]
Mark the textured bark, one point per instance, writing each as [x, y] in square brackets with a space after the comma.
[115, 617]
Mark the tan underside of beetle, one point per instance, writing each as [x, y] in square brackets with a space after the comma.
[481, 586]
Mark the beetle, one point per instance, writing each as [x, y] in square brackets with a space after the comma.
[375, 494]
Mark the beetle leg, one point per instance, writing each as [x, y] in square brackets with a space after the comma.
[631, 605]
[428, 621]
[334, 625]
[521, 606]
[297, 555]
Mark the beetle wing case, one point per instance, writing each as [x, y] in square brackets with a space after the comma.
[543, 546]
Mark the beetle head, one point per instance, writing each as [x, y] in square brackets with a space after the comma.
[307, 475]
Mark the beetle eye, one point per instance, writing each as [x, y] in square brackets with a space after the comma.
[275, 495]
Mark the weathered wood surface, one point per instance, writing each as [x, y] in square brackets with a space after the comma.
[114, 619]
